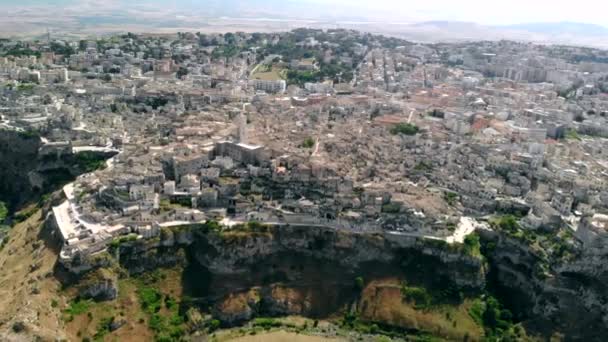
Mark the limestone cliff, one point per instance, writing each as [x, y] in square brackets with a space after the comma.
[566, 295]
[19, 154]
[26, 175]
[294, 270]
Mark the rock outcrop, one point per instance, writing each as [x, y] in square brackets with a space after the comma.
[100, 284]
[19, 157]
[27, 175]
[569, 296]
[244, 273]
[294, 270]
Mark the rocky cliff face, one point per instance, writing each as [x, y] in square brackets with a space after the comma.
[569, 296]
[310, 271]
[18, 157]
[26, 176]
[294, 270]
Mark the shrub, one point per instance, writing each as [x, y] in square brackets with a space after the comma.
[423, 166]
[391, 208]
[450, 197]
[103, 328]
[472, 245]
[78, 307]
[266, 323]
[359, 283]
[405, 129]
[418, 295]
[89, 161]
[214, 325]
[25, 214]
[507, 223]
[3, 211]
[308, 143]
[150, 299]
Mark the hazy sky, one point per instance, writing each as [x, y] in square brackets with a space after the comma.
[488, 11]
[491, 12]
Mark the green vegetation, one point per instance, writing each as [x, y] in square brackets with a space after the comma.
[270, 72]
[89, 161]
[150, 299]
[181, 72]
[450, 198]
[267, 323]
[472, 246]
[122, 239]
[77, 307]
[496, 320]
[359, 283]
[24, 214]
[301, 77]
[572, 134]
[404, 128]
[181, 202]
[29, 134]
[251, 226]
[549, 245]
[226, 51]
[391, 208]
[214, 324]
[423, 167]
[25, 87]
[351, 321]
[308, 143]
[62, 49]
[3, 212]
[506, 223]
[103, 328]
[509, 225]
[19, 51]
[167, 323]
[419, 296]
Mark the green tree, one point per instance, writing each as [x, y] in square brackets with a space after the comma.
[359, 283]
[404, 128]
[308, 143]
[182, 72]
[472, 245]
[3, 212]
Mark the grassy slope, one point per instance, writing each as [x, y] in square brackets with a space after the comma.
[26, 267]
[382, 301]
[126, 307]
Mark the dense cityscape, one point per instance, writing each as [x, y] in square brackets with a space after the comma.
[338, 130]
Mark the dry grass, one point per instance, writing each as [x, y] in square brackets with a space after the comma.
[27, 285]
[382, 301]
[272, 73]
[126, 307]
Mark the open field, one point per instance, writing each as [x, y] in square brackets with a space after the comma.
[283, 336]
[268, 72]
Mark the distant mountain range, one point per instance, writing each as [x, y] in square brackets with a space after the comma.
[78, 18]
[561, 28]
[569, 33]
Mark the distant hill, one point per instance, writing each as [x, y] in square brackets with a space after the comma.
[444, 24]
[560, 28]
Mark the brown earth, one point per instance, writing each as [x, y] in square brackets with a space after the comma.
[29, 293]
